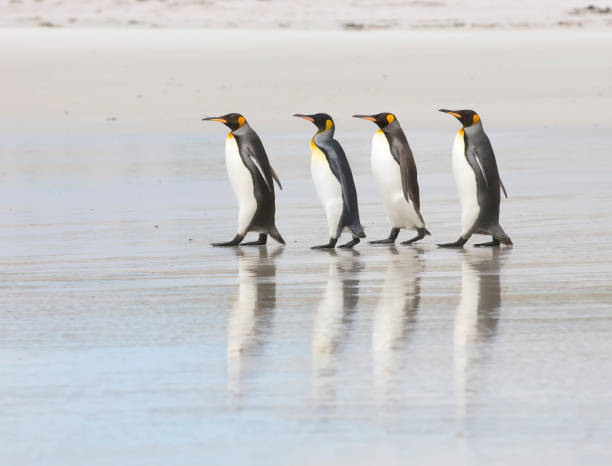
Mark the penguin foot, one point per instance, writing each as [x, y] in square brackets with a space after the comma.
[330, 245]
[390, 240]
[490, 244]
[261, 241]
[420, 235]
[382, 241]
[457, 244]
[233, 242]
[350, 244]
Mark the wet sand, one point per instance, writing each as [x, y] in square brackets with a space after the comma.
[126, 338]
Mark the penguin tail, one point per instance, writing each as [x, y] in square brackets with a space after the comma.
[426, 232]
[358, 231]
[273, 232]
[500, 235]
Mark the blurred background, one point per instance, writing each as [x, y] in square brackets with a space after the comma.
[307, 14]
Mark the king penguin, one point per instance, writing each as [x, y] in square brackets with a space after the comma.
[478, 182]
[396, 175]
[252, 179]
[333, 180]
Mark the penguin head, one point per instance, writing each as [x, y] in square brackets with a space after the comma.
[465, 117]
[322, 121]
[232, 120]
[383, 119]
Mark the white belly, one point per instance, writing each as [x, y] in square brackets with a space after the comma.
[388, 177]
[466, 186]
[242, 184]
[328, 189]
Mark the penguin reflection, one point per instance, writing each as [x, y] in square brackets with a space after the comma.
[332, 321]
[250, 316]
[476, 320]
[394, 319]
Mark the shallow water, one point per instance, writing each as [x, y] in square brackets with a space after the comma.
[127, 339]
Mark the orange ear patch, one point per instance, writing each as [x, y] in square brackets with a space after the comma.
[328, 124]
[390, 118]
[241, 120]
[475, 119]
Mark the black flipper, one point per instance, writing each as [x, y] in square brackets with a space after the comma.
[503, 188]
[338, 164]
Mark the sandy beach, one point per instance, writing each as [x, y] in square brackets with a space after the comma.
[309, 15]
[127, 339]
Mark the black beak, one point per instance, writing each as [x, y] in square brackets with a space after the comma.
[365, 117]
[219, 119]
[450, 112]
[305, 117]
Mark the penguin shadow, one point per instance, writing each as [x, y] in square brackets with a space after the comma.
[394, 320]
[476, 322]
[251, 313]
[332, 322]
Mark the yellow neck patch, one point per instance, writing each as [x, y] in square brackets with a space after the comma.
[461, 132]
[475, 119]
[390, 118]
[230, 135]
[329, 124]
[241, 120]
[314, 149]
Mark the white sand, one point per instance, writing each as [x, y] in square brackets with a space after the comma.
[70, 79]
[305, 14]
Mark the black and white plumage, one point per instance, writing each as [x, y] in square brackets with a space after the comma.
[395, 173]
[333, 180]
[252, 179]
[478, 182]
